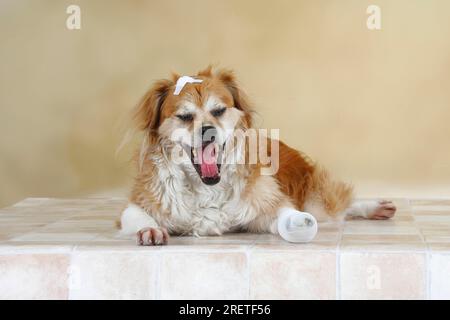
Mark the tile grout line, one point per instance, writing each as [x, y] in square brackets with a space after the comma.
[427, 272]
[248, 273]
[338, 262]
[70, 273]
[249, 254]
[157, 280]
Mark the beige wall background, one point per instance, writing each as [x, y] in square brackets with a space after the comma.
[374, 106]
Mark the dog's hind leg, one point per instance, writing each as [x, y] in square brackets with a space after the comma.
[326, 198]
[371, 209]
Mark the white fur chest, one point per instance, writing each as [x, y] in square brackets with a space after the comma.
[190, 207]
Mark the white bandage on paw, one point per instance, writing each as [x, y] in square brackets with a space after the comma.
[296, 226]
[181, 82]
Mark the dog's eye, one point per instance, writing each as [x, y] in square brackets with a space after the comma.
[218, 112]
[185, 117]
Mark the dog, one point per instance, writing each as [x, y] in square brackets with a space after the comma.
[187, 185]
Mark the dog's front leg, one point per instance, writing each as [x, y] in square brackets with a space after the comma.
[135, 221]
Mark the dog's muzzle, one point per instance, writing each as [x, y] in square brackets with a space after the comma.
[206, 159]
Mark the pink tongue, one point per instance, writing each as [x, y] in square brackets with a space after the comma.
[208, 164]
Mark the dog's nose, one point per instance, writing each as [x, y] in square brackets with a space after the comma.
[208, 133]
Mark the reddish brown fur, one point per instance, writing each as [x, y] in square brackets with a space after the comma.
[300, 179]
[294, 174]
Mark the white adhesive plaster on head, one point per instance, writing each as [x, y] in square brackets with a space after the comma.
[296, 226]
[182, 81]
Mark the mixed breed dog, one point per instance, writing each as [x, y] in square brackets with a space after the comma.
[201, 170]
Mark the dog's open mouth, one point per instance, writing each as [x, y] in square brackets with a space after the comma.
[207, 161]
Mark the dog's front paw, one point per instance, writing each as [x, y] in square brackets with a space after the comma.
[383, 210]
[152, 236]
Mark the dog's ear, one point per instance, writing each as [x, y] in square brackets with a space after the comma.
[148, 112]
[175, 76]
[207, 72]
[240, 99]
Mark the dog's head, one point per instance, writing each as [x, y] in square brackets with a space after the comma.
[200, 118]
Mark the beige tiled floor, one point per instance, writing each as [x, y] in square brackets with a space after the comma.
[61, 248]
